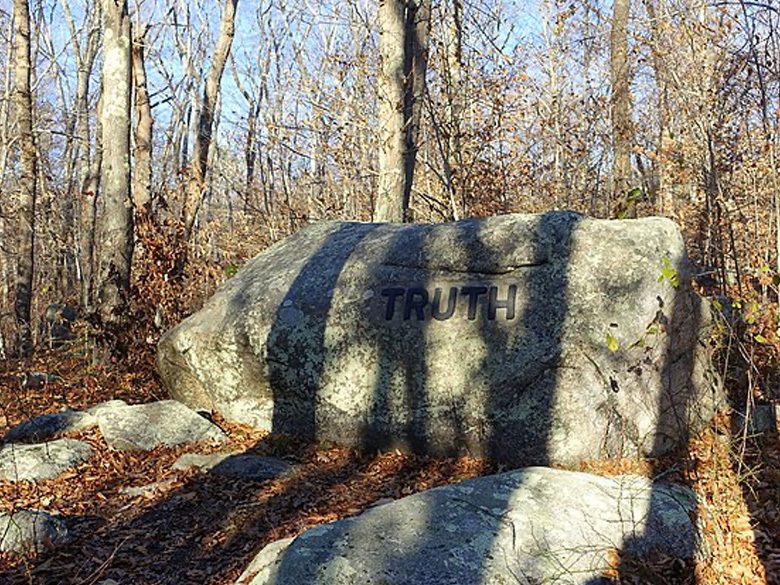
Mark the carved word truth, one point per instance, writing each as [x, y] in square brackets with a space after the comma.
[441, 304]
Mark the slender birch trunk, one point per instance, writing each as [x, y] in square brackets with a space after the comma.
[403, 48]
[200, 152]
[25, 235]
[621, 99]
[116, 225]
[142, 177]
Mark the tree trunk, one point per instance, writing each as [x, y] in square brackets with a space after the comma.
[391, 204]
[250, 143]
[403, 49]
[89, 175]
[6, 279]
[418, 25]
[453, 30]
[116, 225]
[80, 205]
[200, 151]
[665, 200]
[621, 100]
[25, 235]
[89, 198]
[142, 177]
[250, 152]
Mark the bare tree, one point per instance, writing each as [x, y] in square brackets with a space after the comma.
[250, 143]
[621, 99]
[25, 237]
[142, 176]
[403, 46]
[655, 11]
[85, 48]
[200, 155]
[453, 44]
[116, 221]
[88, 218]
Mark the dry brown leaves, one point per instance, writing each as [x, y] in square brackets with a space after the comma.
[204, 529]
[199, 528]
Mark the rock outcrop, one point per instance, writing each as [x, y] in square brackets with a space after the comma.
[48, 426]
[237, 465]
[31, 531]
[536, 525]
[19, 462]
[531, 339]
[142, 427]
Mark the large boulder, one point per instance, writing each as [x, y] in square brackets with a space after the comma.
[532, 339]
[537, 525]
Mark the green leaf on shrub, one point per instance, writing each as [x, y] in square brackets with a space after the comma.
[635, 194]
[669, 273]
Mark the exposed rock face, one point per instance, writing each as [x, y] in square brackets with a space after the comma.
[143, 427]
[235, 465]
[44, 461]
[51, 425]
[27, 531]
[536, 525]
[531, 339]
[102, 407]
[147, 490]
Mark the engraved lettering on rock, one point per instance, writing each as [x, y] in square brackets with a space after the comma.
[418, 303]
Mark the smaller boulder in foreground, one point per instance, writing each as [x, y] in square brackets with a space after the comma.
[102, 407]
[148, 490]
[48, 426]
[536, 525]
[143, 427]
[235, 465]
[43, 461]
[31, 531]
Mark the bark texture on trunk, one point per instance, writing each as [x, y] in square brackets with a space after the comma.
[390, 205]
[403, 46]
[200, 153]
[25, 234]
[89, 199]
[116, 225]
[453, 48]
[665, 200]
[418, 25]
[142, 176]
[621, 99]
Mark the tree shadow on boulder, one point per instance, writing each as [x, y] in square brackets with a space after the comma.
[499, 397]
[685, 370]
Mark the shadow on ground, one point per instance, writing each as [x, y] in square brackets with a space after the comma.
[206, 532]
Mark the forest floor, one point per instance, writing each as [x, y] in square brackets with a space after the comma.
[198, 528]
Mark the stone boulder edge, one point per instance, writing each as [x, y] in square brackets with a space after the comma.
[536, 525]
[345, 332]
[31, 531]
[142, 427]
[47, 426]
[235, 465]
[20, 462]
